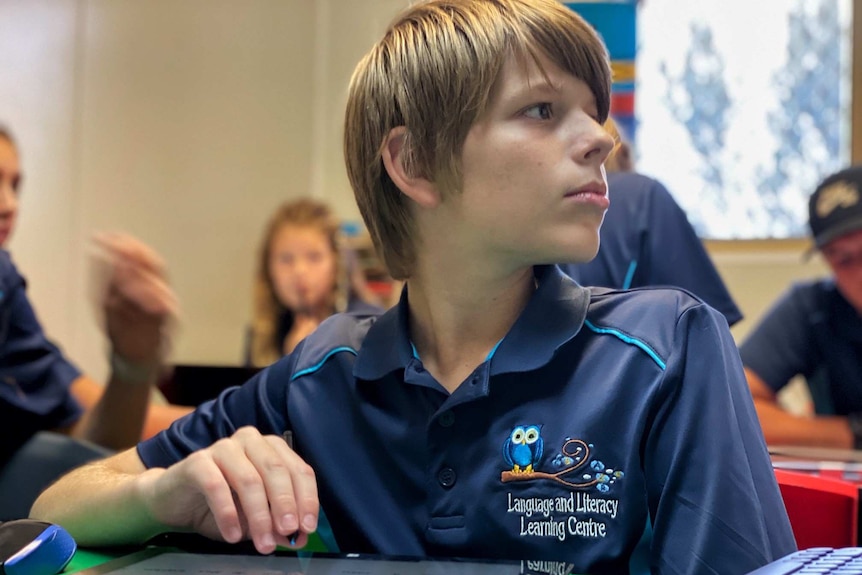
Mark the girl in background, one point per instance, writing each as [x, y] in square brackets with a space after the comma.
[304, 275]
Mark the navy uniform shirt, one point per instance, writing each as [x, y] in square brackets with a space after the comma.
[34, 376]
[646, 240]
[598, 411]
[813, 331]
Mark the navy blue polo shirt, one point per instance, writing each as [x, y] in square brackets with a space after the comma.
[813, 331]
[35, 378]
[599, 411]
[647, 240]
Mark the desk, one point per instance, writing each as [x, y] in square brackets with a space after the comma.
[86, 558]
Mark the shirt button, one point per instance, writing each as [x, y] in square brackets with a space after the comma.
[447, 419]
[447, 477]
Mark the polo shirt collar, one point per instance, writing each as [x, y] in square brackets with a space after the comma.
[554, 315]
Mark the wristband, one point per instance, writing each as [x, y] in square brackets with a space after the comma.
[129, 372]
[855, 421]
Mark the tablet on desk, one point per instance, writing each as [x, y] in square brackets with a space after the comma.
[168, 561]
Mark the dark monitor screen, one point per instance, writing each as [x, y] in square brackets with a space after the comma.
[192, 385]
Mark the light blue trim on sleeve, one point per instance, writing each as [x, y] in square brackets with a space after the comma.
[630, 340]
[630, 274]
[320, 364]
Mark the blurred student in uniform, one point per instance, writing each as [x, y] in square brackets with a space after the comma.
[815, 330]
[40, 389]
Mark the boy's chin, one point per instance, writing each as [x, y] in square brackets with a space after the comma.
[575, 256]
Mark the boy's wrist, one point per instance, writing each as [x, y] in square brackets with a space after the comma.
[138, 373]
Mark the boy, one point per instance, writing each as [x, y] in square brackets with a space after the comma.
[815, 329]
[499, 409]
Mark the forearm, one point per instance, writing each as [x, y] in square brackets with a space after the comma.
[783, 428]
[102, 503]
[115, 415]
[160, 417]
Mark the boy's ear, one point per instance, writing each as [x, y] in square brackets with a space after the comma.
[396, 160]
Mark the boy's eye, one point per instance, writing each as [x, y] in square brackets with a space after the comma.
[541, 111]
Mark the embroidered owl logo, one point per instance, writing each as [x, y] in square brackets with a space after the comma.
[523, 448]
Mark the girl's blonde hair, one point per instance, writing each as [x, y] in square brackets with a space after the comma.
[620, 158]
[268, 311]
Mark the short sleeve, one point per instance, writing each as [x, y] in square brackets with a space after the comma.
[781, 346]
[712, 495]
[35, 378]
[261, 402]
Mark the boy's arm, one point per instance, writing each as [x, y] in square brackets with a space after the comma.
[115, 414]
[245, 486]
[138, 307]
[783, 428]
[713, 497]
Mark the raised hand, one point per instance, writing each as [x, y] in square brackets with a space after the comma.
[137, 301]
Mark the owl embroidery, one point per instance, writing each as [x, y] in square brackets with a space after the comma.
[523, 448]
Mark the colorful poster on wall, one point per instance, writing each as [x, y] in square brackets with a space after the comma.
[615, 22]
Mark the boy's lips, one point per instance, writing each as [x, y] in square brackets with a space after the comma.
[595, 193]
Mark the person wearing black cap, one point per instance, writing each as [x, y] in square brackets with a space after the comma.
[815, 330]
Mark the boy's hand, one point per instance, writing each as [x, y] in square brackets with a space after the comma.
[136, 299]
[246, 486]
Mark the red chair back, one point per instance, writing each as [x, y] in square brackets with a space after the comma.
[823, 511]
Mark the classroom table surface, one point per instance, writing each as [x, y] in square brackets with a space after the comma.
[85, 558]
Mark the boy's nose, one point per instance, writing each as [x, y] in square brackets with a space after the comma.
[597, 145]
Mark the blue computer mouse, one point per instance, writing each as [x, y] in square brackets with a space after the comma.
[30, 547]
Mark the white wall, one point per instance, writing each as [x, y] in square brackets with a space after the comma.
[39, 74]
[185, 122]
[757, 272]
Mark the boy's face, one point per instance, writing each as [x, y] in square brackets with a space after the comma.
[844, 256]
[534, 187]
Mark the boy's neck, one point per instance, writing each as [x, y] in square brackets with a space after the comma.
[455, 322]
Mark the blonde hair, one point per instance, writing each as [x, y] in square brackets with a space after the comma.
[620, 158]
[434, 72]
[268, 310]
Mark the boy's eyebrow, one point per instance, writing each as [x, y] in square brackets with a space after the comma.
[532, 88]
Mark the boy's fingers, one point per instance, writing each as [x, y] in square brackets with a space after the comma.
[296, 510]
[245, 480]
[219, 498]
[121, 246]
[144, 289]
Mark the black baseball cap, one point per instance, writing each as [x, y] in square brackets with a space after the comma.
[835, 207]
